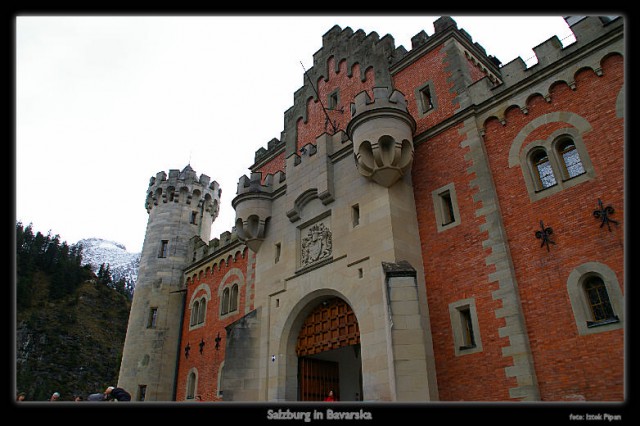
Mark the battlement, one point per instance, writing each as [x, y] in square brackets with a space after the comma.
[383, 97]
[184, 186]
[552, 54]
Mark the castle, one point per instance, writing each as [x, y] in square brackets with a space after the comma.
[432, 225]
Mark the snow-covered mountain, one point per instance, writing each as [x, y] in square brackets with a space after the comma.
[122, 264]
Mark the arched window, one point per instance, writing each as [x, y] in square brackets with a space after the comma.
[194, 313]
[225, 302]
[598, 301]
[556, 163]
[571, 163]
[233, 302]
[542, 169]
[202, 310]
[191, 385]
[596, 297]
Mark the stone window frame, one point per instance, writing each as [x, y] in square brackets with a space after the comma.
[438, 206]
[234, 277]
[580, 305]
[424, 110]
[198, 317]
[152, 320]
[457, 327]
[551, 147]
[191, 385]
[333, 100]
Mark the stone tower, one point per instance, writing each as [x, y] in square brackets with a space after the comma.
[180, 207]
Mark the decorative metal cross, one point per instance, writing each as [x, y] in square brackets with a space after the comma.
[186, 350]
[218, 339]
[201, 344]
[603, 214]
[544, 235]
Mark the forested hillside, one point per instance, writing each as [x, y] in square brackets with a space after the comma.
[70, 322]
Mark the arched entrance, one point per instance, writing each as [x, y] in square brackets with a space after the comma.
[328, 350]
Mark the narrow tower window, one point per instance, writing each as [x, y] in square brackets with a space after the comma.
[142, 392]
[164, 248]
[153, 316]
[193, 218]
[355, 215]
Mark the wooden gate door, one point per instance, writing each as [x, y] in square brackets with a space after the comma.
[331, 325]
[317, 377]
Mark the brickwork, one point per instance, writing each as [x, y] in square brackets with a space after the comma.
[208, 281]
[567, 364]
[441, 205]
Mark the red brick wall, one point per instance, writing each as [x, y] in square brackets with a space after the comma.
[349, 88]
[208, 363]
[566, 363]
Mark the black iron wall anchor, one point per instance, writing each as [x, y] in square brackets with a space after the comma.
[544, 235]
[603, 214]
[218, 339]
[201, 344]
[186, 350]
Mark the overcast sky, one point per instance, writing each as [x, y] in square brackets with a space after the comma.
[105, 102]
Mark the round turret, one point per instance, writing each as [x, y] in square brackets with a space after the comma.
[180, 207]
[382, 133]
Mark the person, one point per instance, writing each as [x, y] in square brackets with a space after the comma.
[96, 397]
[330, 396]
[118, 394]
[55, 397]
[21, 396]
[78, 398]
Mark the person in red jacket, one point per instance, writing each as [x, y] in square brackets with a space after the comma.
[330, 396]
[118, 394]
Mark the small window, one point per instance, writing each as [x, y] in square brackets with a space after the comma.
[233, 298]
[468, 341]
[193, 218]
[332, 100]
[153, 317]
[542, 166]
[225, 301]
[445, 205]
[164, 248]
[571, 163]
[355, 215]
[464, 324]
[447, 208]
[597, 301]
[426, 99]
[599, 304]
[202, 310]
[142, 392]
[278, 250]
[194, 313]
[191, 385]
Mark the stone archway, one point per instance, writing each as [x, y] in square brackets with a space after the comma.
[328, 351]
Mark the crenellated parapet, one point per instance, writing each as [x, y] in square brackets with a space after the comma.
[184, 187]
[382, 133]
[347, 47]
[317, 160]
[596, 39]
[253, 206]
